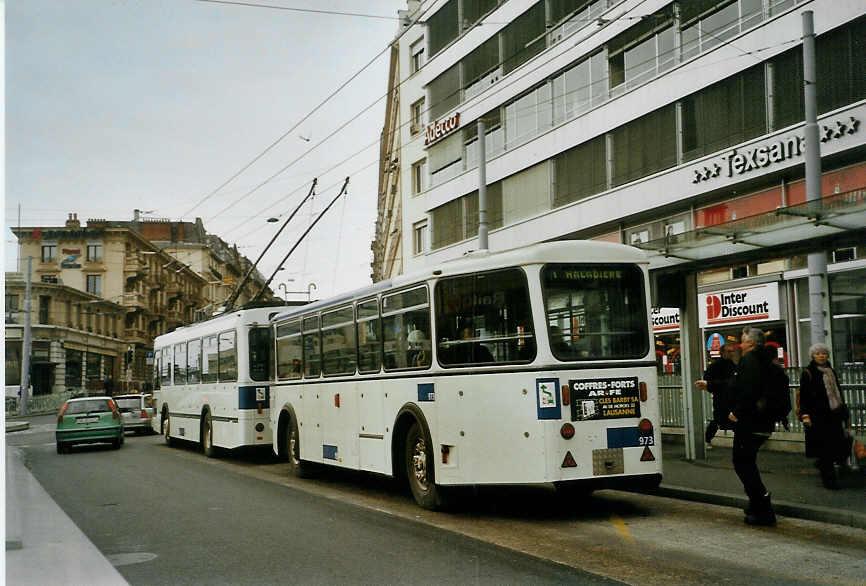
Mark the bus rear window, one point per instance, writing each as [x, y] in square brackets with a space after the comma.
[260, 354]
[595, 311]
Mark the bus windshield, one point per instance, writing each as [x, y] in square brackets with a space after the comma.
[260, 354]
[595, 311]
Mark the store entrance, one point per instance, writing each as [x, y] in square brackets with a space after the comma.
[775, 336]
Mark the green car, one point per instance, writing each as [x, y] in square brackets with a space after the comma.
[89, 420]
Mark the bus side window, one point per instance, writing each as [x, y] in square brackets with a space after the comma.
[369, 337]
[289, 350]
[406, 327]
[180, 363]
[193, 360]
[339, 355]
[209, 361]
[312, 347]
[228, 357]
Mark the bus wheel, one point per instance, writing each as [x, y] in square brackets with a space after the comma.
[207, 437]
[166, 428]
[419, 469]
[297, 467]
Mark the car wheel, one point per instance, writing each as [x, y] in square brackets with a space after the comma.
[297, 467]
[418, 467]
[116, 443]
[207, 437]
[61, 448]
[166, 428]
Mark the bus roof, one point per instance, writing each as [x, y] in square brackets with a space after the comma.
[219, 323]
[584, 251]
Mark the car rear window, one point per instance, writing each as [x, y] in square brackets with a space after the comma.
[127, 404]
[89, 406]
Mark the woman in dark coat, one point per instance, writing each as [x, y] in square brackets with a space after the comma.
[823, 413]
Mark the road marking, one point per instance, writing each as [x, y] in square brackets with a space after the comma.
[621, 529]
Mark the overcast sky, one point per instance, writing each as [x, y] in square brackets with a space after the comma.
[113, 105]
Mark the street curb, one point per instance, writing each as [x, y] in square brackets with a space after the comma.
[784, 508]
[17, 426]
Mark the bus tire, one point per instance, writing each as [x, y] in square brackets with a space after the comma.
[207, 437]
[297, 467]
[166, 428]
[418, 464]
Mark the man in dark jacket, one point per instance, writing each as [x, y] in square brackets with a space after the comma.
[752, 427]
[717, 380]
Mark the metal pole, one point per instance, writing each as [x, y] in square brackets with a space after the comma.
[482, 187]
[27, 344]
[692, 369]
[817, 261]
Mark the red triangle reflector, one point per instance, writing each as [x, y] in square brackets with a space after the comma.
[569, 462]
[647, 455]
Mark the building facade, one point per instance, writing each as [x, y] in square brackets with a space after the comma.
[102, 291]
[674, 126]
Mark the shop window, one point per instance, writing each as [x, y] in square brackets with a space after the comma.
[740, 272]
[848, 311]
[74, 370]
[13, 363]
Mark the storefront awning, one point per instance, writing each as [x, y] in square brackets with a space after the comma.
[834, 214]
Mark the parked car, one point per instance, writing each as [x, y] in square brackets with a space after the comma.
[89, 420]
[136, 410]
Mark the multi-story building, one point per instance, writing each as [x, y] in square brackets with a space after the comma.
[675, 126]
[103, 291]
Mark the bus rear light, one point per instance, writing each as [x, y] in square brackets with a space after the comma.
[566, 431]
[260, 408]
[645, 427]
[337, 400]
[566, 395]
[446, 451]
[643, 392]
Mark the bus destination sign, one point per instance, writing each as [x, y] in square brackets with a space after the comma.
[604, 398]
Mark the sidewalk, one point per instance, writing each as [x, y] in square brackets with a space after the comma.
[792, 479]
[43, 545]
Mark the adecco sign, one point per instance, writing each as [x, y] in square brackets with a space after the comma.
[739, 306]
[441, 127]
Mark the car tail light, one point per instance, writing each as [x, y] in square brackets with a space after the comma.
[62, 411]
[143, 414]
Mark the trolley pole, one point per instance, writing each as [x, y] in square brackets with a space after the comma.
[817, 261]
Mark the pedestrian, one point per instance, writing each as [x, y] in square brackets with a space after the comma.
[823, 413]
[752, 426]
[718, 379]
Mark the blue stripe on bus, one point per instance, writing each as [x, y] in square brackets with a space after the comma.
[426, 392]
[329, 452]
[250, 397]
[623, 437]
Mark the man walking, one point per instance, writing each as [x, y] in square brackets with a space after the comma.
[718, 379]
[752, 426]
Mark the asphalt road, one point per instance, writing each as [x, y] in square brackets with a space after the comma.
[171, 516]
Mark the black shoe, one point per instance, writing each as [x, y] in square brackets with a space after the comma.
[761, 513]
[710, 433]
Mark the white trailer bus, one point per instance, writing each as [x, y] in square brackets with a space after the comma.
[533, 365]
[212, 381]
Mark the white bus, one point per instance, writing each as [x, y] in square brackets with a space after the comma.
[212, 381]
[533, 365]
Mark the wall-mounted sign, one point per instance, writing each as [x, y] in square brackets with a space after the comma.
[665, 319]
[739, 306]
[70, 258]
[737, 163]
[441, 128]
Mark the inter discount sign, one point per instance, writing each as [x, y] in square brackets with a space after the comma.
[739, 306]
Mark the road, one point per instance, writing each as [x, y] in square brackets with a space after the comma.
[171, 516]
